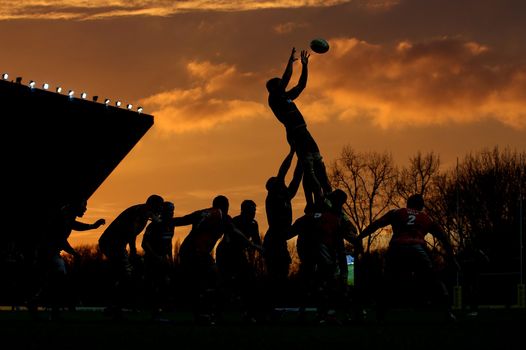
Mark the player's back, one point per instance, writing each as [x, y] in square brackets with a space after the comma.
[410, 226]
[126, 225]
[206, 230]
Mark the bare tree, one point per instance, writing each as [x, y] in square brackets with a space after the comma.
[420, 176]
[423, 176]
[483, 196]
[370, 181]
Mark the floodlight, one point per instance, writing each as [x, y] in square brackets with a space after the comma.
[118, 103]
[32, 84]
[139, 109]
[107, 101]
[83, 95]
[129, 106]
[59, 89]
[5, 76]
[45, 86]
[71, 93]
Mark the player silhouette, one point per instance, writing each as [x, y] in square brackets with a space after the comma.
[281, 102]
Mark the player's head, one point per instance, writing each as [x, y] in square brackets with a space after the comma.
[221, 202]
[337, 197]
[155, 200]
[274, 85]
[168, 209]
[76, 207]
[154, 203]
[270, 183]
[415, 201]
[81, 206]
[274, 184]
[248, 207]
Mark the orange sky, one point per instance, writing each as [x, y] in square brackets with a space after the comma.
[403, 76]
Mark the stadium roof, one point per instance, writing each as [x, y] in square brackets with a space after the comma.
[56, 147]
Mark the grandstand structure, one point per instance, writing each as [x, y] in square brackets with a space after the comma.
[57, 147]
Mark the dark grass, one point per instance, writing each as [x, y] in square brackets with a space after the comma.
[402, 329]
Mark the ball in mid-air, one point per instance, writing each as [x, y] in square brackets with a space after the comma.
[319, 45]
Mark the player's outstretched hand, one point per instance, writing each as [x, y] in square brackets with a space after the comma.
[304, 57]
[99, 223]
[293, 55]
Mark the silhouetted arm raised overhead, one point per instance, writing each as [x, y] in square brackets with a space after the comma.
[296, 180]
[285, 165]
[287, 74]
[302, 82]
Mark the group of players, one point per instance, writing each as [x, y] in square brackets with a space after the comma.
[217, 255]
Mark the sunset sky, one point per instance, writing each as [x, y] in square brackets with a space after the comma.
[402, 76]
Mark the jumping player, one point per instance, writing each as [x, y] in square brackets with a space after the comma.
[281, 102]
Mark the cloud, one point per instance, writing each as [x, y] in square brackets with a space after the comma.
[377, 5]
[220, 94]
[405, 84]
[101, 9]
[439, 81]
[288, 27]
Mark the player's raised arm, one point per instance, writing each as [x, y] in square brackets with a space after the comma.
[296, 180]
[302, 82]
[287, 74]
[285, 165]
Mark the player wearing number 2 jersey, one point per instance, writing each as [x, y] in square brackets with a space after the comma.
[407, 253]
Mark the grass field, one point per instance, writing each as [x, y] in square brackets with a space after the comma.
[494, 328]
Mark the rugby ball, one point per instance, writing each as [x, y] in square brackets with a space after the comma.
[319, 45]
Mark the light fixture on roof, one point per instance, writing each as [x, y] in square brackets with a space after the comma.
[139, 109]
[107, 101]
[32, 84]
[129, 106]
[5, 76]
[71, 93]
[18, 80]
[83, 95]
[58, 90]
[45, 86]
[118, 103]
[95, 98]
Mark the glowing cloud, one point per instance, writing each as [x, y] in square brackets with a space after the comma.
[440, 81]
[216, 98]
[100, 9]
[285, 28]
[407, 84]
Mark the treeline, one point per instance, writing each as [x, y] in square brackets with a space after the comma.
[478, 201]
